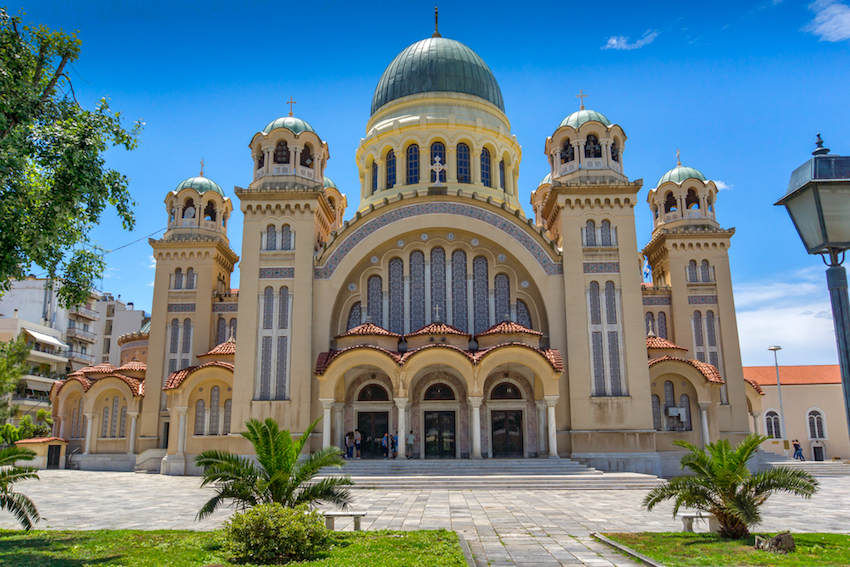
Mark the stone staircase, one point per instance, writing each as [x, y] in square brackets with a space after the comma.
[494, 474]
[815, 468]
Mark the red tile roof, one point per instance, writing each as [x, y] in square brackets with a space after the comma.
[104, 368]
[134, 366]
[177, 378]
[227, 347]
[438, 329]
[324, 359]
[794, 375]
[508, 328]
[40, 440]
[659, 343]
[707, 370]
[368, 330]
[754, 384]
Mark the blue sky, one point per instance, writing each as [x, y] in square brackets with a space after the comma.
[740, 87]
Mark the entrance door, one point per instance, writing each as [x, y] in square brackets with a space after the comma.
[372, 426]
[440, 435]
[53, 456]
[818, 453]
[507, 433]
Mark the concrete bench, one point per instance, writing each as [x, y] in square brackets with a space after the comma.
[331, 516]
[689, 517]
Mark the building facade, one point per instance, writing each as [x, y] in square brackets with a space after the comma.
[439, 307]
[117, 318]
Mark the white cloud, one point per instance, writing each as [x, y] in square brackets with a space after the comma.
[622, 42]
[149, 284]
[109, 272]
[151, 263]
[721, 186]
[832, 20]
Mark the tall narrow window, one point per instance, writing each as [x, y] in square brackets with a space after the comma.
[200, 417]
[670, 402]
[706, 271]
[692, 271]
[187, 336]
[113, 427]
[271, 237]
[354, 317]
[74, 424]
[485, 167]
[598, 365]
[175, 335]
[190, 279]
[595, 308]
[709, 324]
[376, 300]
[281, 374]
[685, 411]
[523, 315]
[463, 164]
[261, 161]
[122, 431]
[605, 232]
[481, 293]
[178, 279]
[656, 413]
[281, 153]
[266, 369]
[816, 429]
[568, 152]
[502, 175]
[374, 177]
[283, 309]
[390, 169]
[772, 428]
[438, 150]
[221, 331]
[502, 284]
[614, 362]
[268, 307]
[459, 300]
[306, 156]
[228, 409]
[233, 328]
[285, 237]
[592, 149]
[417, 290]
[662, 324]
[412, 164]
[610, 303]
[699, 342]
[214, 409]
[104, 427]
[590, 233]
[438, 285]
[396, 284]
[650, 323]
[615, 151]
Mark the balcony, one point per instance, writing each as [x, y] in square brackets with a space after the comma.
[690, 214]
[85, 312]
[47, 354]
[81, 335]
[77, 356]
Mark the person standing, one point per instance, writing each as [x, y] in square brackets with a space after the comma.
[385, 445]
[395, 445]
[798, 450]
[357, 440]
[409, 444]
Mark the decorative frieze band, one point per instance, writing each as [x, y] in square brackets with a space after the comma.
[650, 300]
[277, 273]
[225, 307]
[181, 307]
[702, 300]
[134, 344]
[601, 267]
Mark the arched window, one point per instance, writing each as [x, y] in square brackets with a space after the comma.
[592, 149]
[261, 160]
[281, 153]
[691, 200]
[190, 279]
[209, 211]
[710, 330]
[74, 424]
[374, 177]
[485, 167]
[228, 408]
[670, 203]
[189, 209]
[568, 153]
[412, 164]
[650, 323]
[221, 331]
[692, 271]
[685, 412]
[670, 402]
[595, 308]
[104, 426]
[459, 299]
[175, 335]
[502, 284]
[605, 231]
[771, 421]
[187, 335]
[523, 315]
[376, 300]
[200, 417]
[417, 290]
[390, 169]
[710, 202]
[590, 233]
[481, 293]
[113, 427]
[271, 237]
[656, 413]
[463, 164]
[816, 429]
[214, 410]
[354, 317]
[662, 324]
[373, 393]
[233, 328]
[438, 150]
[615, 151]
[506, 391]
[283, 308]
[438, 285]
[439, 391]
[502, 175]
[307, 156]
[610, 303]
[698, 339]
[178, 279]
[285, 237]
[268, 307]
[706, 271]
[396, 302]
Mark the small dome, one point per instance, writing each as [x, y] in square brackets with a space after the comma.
[679, 173]
[578, 118]
[546, 180]
[294, 125]
[201, 185]
[329, 183]
[437, 64]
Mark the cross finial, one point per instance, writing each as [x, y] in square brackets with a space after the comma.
[581, 96]
[437, 308]
[678, 159]
[290, 102]
[436, 23]
[202, 167]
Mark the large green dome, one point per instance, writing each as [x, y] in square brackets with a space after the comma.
[579, 117]
[437, 64]
[200, 184]
[294, 125]
[546, 180]
[329, 183]
[679, 174]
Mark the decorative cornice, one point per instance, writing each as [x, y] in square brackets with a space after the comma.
[225, 307]
[277, 273]
[656, 300]
[601, 267]
[702, 300]
[181, 307]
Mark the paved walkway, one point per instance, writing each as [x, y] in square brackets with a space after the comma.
[516, 527]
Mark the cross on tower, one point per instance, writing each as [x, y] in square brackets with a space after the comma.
[437, 168]
[202, 167]
[290, 102]
[678, 159]
[581, 96]
[437, 308]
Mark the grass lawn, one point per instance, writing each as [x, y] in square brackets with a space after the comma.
[706, 549]
[177, 548]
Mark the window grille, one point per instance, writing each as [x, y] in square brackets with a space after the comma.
[614, 361]
[200, 417]
[656, 413]
[233, 328]
[104, 427]
[610, 303]
[123, 428]
[412, 164]
[503, 297]
[376, 300]
[396, 303]
[698, 339]
[480, 293]
[113, 428]
[214, 410]
[283, 308]
[650, 323]
[590, 233]
[706, 271]
[772, 425]
[178, 279]
[271, 237]
[190, 279]
[595, 308]
[175, 335]
[692, 271]
[709, 323]
[485, 167]
[354, 316]
[390, 169]
[502, 175]
[685, 414]
[438, 150]
[463, 163]
[605, 231]
[816, 430]
[670, 402]
[374, 177]
[285, 237]
[228, 406]
[266, 369]
[281, 378]
[221, 332]
[662, 324]
[268, 307]
[598, 365]
[459, 299]
[438, 284]
[187, 336]
[523, 315]
[417, 290]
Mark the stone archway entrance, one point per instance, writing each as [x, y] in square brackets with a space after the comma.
[506, 427]
[440, 434]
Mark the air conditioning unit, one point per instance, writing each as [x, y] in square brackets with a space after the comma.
[673, 412]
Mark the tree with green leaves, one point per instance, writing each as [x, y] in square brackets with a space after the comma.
[19, 505]
[13, 365]
[721, 484]
[279, 475]
[54, 182]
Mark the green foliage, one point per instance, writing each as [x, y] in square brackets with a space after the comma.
[272, 533]
[16, 503]
[13, 365]
[721, 484]
[41, 427]
[54, 184]
[9, 434]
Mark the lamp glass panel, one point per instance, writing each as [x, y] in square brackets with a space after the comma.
[803, 210]
[835, 203]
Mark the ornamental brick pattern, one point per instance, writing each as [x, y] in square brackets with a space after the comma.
[601, 267]
[702, 300]
[225, 307]
[653, 300]
[181, 307]
[277, 273]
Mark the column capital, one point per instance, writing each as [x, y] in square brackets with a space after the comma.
[133, 413]
[475, 401]
[704, 405]
[551, 401]
[755, 414]
[327, 403]
[182, 411]
[90, 415]
[541, 404]
[339, 406]
[401, 402]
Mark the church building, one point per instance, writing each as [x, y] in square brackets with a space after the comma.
[439, 307]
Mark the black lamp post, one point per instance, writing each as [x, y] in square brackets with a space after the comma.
[818, 200]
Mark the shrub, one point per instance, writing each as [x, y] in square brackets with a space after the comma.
[273, 533]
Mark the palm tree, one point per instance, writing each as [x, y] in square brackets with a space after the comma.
[722, 485]
[16, 503]
[279, 475]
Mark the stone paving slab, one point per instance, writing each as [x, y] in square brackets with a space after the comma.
[503, 527]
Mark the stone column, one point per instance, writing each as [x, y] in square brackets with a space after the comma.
[756, 422]
[296, 163]
[317, 164]
[338, 425]
[89, 432]
[199, 212]
[382, 175]
[580, 152]
[451, 164]
[183, 412]
[475, 170]
[131, 446]
[401, 404]
[327, 404]
[551, 402]
[268, 152]
[703, 422]
[556, 165]
[406, 279]
[61, 426]
[475, 404]
[541, 427]
[494, 317]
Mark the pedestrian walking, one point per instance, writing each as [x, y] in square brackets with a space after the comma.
[385, 445]
[409, 444]
[798, 450]
[357, 439]
[395, 445]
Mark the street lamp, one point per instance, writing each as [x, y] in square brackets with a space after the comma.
[818, 200]
[779, 391]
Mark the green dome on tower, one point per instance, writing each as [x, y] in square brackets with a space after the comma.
[579, 117]
[546, 180]
[329, 183]
[437, 64]
[679, 174]
[200, 184]
[294, 125]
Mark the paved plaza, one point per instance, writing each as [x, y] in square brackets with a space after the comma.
[502, 527]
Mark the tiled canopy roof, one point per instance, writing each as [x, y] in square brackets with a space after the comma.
[227, 347]
[754, 384]
[710, 373]
[368, 330]
[104, 368]
[438, 329]
[36, 440]
[135, 366]
[136, 385]
[794, 375]
[508, 328]
[659, 343]
[177, 378]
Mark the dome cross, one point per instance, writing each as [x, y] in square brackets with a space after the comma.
[202, 167]
[678, 159]
[581, 96]
[436, 22]
[290, 102]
